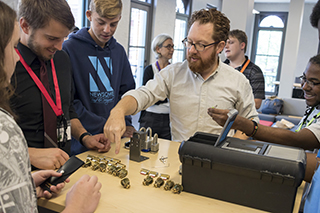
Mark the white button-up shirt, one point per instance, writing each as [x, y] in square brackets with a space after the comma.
[190, 96]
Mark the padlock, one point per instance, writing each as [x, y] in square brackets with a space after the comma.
[146, 143]
[155, 144]
[149, 139]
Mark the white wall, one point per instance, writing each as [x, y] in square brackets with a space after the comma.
[122, 32]
[12, 3]
[245, 23]
[274, 7]
[200, 4]
[308, 42]
[163, 20]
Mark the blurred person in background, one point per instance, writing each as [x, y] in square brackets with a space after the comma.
[157, 116]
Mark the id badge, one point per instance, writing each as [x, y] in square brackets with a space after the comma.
[63, 130]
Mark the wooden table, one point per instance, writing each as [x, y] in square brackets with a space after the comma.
[140, 198]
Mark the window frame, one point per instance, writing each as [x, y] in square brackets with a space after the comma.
[149, 8]
[258, 18]
[184, 17]
[84, 7]
[85, 21]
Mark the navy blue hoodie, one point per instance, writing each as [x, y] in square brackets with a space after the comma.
[101, 76]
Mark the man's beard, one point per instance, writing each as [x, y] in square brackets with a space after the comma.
[35, 48]
[200, 66]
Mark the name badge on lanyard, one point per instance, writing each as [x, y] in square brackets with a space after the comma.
[63, 130]
[304, 123]
[63, 125]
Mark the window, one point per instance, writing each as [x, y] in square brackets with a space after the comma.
[139, 35]
[268, 47]
[78, 11]
[180, 32]
[180, 7]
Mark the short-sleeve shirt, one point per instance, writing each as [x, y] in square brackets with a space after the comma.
[314, 127]
[255, 77]
[18, 193]
[312, 203]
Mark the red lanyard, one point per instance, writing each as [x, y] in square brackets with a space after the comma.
[56, 108]
[245, 66]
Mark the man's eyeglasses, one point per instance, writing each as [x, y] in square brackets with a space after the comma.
[309, 83]
[197, 46]
[169, 46]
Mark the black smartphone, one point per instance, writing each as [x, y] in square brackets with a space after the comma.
[72, 165]
[232, 114]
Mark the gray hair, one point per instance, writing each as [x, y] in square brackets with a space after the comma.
[158, 42]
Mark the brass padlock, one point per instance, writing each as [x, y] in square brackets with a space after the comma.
[147, 181]
[158, 183]
[169, 184]
[125, 183]
[122, 173]
[177, 189]
[95, 164]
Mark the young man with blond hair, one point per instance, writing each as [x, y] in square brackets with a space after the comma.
[235, 50]
[101, 70]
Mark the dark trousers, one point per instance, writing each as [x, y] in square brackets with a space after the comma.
[159, 123]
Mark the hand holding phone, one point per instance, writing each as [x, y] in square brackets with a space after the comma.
[232, 114]
[72, 165]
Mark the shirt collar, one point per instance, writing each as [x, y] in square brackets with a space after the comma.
[27, 53]
[227, 61]
[245, 61]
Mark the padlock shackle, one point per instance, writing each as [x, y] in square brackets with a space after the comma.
[150, 132]
[155, 138]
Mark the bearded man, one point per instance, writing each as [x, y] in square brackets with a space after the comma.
[192, 86]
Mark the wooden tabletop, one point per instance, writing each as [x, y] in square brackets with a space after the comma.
[140, 198]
